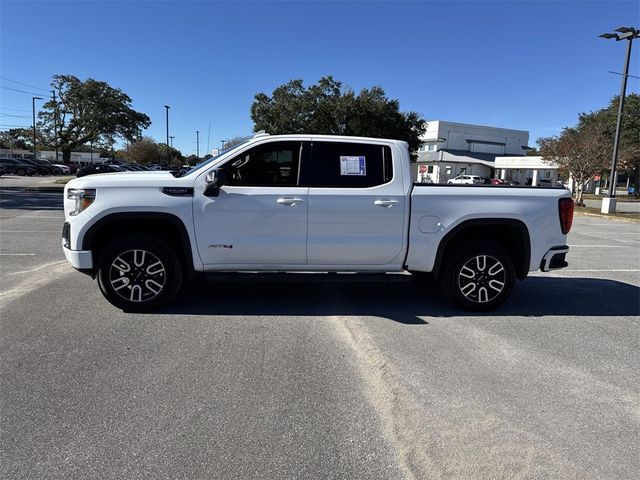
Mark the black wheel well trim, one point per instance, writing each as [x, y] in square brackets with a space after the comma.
[88, 238]
[521, 270]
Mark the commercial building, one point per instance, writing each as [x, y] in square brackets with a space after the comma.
[449, 149]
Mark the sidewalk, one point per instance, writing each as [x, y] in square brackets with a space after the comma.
[38, 184]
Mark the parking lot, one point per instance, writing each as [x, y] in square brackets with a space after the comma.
[291, 376]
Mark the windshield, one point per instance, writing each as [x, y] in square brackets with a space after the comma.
[210, 160]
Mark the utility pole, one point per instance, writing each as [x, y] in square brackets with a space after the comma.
[624, 33]
[171, 140]
[33, 107]
[55, 123]
[167, 107]
[198, 144]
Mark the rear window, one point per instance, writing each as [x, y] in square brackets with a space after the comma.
[346, 165]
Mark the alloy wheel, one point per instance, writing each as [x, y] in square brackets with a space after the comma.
[137, 275]
[482, 278]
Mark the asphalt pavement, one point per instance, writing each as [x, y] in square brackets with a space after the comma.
[306, 376]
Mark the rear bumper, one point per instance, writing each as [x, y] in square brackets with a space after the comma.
[554, 259]
[80, 259]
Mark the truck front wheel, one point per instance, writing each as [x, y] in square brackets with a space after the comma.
[139, 273]
[478, 276]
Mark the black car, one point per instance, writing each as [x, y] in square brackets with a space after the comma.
[42, 168]
[98, 168]
[17, 167]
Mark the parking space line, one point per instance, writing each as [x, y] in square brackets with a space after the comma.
[17, 254]
[600, 246]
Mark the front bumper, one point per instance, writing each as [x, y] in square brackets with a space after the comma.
[554, 259]
[80, 259]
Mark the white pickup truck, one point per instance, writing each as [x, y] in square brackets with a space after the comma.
[309, 203]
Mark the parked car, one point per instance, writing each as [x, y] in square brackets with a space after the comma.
[329, 203]
[58, 168]
[98, 168]
[465, 179]
[41, 167]
[3, 170]
[18, 167]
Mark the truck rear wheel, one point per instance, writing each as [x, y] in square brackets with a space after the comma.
[139, 273]
[478, 277]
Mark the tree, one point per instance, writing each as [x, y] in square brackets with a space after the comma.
[585, 150]
[232, 142]
[581, 150]
[173, 154]
[89, 111]
[17, 139]
[328, 108]
[144, 151]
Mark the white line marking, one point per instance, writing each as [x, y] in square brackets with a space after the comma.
[605, 271]
[55, 270]
[600, 246]
[17, 254]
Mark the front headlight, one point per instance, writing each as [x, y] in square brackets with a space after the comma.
[83, 197]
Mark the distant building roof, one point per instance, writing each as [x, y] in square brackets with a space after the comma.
[459, 156]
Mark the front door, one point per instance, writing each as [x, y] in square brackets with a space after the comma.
[260, 214]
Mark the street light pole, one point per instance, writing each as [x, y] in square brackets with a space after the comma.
[624, 33]
[171, 140]
[33, 106]
[55, 122]
[167, 107]
[198, 144]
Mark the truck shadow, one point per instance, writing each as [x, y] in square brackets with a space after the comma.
[404, 300]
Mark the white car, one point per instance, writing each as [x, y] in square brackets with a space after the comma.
[466, 179]
[58, 168]
[308, 203]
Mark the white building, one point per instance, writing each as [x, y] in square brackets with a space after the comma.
[449, 149]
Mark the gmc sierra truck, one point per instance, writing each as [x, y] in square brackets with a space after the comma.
[309, 203]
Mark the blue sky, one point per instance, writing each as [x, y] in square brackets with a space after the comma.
[525, 65]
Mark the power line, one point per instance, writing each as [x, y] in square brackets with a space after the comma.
[14, 109]
[24, 84]
[21, 91]
[17, 116]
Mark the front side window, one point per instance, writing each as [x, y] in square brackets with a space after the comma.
[347, 165]
[273, 164]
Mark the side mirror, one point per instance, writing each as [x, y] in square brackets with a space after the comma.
[214, 179]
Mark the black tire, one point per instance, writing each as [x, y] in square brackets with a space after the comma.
[478, 277]
[20, 172]
[57, 171]
[139, 273]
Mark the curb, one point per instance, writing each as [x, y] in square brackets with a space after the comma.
[44, 188]
[608, 217]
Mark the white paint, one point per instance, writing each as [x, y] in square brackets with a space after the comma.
[17, 254]
[50, 272]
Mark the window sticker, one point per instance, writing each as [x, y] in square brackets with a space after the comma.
[353, 166]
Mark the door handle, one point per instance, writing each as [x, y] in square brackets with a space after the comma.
[386, 203]
[292, 202]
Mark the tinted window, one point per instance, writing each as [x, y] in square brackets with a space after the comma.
[273, 164]
[341, 164]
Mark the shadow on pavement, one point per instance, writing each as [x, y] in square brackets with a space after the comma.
[403, 301]
[26, 200]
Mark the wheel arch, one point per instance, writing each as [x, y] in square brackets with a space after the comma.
[166, 226]
[511, 234]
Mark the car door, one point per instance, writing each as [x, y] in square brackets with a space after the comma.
[260, 214]
[356, 204]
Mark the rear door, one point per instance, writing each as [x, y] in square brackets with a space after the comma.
[356, 204]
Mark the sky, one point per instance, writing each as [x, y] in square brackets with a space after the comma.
[529, 65]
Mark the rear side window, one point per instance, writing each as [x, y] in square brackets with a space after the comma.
[347, 165]
[273, 164]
